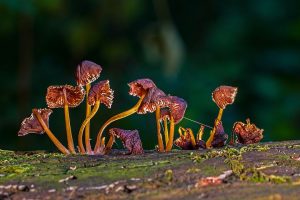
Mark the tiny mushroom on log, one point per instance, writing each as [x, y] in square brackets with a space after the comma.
[176, 107]
[247, 133]
[65, 96]
[130, 139]
[139, 88]
[38, 123]
[187, 140]
[220, 137]
[99, 93]
[222, 96]
[86, 73]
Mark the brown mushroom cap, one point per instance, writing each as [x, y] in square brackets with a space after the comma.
[32, 125]
[149, 102]
[57, 96]
[130, 139]
[140, 87]
[164, 114]
[247, 133]
[220, 136]
[101, 91]
[87, 72]
[224, 95]
[176, 105]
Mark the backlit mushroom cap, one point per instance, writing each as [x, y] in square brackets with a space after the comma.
[224, 95]
[130, 139]
[57, 96]
[32, 125]
[220, 136]
[176, 105]
[149, 102]
[101, 91]
[87, 72]
[247, 133]
[140, 87]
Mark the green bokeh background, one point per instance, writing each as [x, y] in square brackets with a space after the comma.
[187, 47]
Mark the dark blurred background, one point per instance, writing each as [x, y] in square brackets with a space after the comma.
[187, 47]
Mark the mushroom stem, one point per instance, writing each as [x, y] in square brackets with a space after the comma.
[87, 127]
[193, 141]
[68, 129]
[166, 132]
[56, 142]
[109, 144]
[121, 115]
[200, 133]
[84, 124]
[159, 137]
[171, 136]
[212, 133]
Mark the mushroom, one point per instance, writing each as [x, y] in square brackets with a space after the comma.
[65, 96]
[38, 123]
[247, 133]
[222, 96]
[187, 140]
[176, 107]
[139, 88]
[99, 93]
[130, 139]
[220, 137]
[86, 73]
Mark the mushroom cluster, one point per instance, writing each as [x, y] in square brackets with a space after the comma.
[169, 111]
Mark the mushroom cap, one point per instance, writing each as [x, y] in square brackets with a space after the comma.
[57, 96]
[87, 72]
[176, 105]
[164, 114]
[220, 136]
[224, 95]
[32, 125]
[130, 139]
[149, 102]
[247, 133]
[140, 87]
[101, 91]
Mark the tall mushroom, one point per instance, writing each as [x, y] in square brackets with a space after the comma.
[38, 123]
[65, 96]
[222, 96]
[99, 93]
[139, 88]
[176, 107]
[86, 73]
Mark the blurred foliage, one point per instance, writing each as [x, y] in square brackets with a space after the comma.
[187, 48]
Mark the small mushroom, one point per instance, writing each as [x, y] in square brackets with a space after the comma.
[220, 137]
[38, 123]
[176, 107]
[65, 96]
[187, 140]
[139, 88]
[130, 139]
[247, 133]
[99, 93]
[222, 96]
[86, 73]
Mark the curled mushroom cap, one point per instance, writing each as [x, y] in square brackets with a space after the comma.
[149, 102]
[224, 95]
[87, 72]
[176, 105]
[140, 87]
[102, 92]
[247, 133]
[58, 96]
[220, 136]
[32, 125]
[130, 139]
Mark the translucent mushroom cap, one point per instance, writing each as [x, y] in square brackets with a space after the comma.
[58, 96]
[247, 133]
[101, 91]
[176, 106]
[224, 95]
[140, 87]
[130, 139]
[32, 125]
[149, 102]
[87, 72]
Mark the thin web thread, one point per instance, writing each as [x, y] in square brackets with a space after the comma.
[198, 122]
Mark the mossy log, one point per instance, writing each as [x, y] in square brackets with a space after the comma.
[261, 171]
